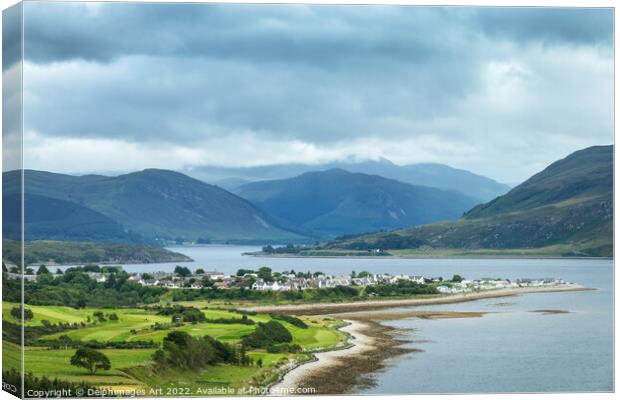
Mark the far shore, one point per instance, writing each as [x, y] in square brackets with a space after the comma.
[435, 256]
[329, 308]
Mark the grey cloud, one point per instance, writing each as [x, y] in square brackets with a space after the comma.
[11, 36]
[549, 25]
[319, 35]
[189, 74]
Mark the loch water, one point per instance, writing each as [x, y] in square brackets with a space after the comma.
[511, 348]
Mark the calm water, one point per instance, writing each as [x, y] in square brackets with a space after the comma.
[508, 350]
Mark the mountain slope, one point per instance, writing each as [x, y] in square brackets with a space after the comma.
[585, 173]
[432, 175]
[54, 219]
[159, 204]
[567, 209]
[337, 202]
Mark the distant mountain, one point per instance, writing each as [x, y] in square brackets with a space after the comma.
[567, 209]
[151, 203]
[432, 175]
[336, 202]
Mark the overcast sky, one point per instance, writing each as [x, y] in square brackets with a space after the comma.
[117, 87]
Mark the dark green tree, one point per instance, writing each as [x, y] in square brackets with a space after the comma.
[16, 312]
[182, 271]
[43, 270]
[90, 359]
[265, 274]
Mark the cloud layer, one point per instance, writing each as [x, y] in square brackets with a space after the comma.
[503, 92]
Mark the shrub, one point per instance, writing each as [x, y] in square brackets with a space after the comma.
[291, 320]
[266, 334]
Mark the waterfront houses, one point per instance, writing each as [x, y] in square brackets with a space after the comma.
[288, 281]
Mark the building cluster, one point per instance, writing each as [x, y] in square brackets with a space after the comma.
[173, 281]
[291, 281]
[491, 283]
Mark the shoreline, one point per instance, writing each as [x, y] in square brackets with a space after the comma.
[370, 343]
[434, 257]
[357, 343]
[330, 308]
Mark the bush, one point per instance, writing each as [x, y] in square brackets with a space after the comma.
[182, 351]
[283, 348]
[267, 334]
[291, 320]
[243, 320]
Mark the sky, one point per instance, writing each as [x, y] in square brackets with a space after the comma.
[502, 92]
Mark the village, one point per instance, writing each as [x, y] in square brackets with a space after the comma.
[265, 279]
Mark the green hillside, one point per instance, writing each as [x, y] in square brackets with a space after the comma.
[565, 210]
[336, 202]
[585, 174]
[65, 252]
[54, 219]
[152, 203]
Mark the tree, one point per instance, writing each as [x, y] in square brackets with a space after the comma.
[43, 270]
[113, 317]
[207, 282]
[58, 271]
[243, 272]
[147, 276]
[200, 271]
[91, 268]
[65, 341]
[259, 363]
[457, 278]
[16, 312]
[182, 271]
[265, 274]
[29, 271]
[90, 359]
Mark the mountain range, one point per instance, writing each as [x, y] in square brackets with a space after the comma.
[566, 209]
[336, 202]
[141, 206]
[439, 176]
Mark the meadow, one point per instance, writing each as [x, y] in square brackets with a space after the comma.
[131, 367]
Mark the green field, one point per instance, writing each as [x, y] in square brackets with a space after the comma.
[130, 367]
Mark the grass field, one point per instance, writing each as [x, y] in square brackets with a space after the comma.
[130, 366]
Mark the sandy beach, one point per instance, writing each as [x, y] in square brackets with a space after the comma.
[360, 344]
[329, 308]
